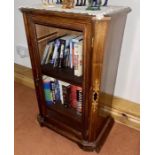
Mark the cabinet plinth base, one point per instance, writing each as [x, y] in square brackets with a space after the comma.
[97, 144]
[85, 145]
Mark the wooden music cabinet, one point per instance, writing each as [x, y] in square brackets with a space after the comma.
[102, 37]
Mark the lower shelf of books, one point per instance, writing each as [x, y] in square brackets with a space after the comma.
[63, 98]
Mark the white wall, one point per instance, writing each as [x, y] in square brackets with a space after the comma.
[20, 38]
[127, 83]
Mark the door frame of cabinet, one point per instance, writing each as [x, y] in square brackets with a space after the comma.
[54, 21]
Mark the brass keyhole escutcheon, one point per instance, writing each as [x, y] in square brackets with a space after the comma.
[95, 96]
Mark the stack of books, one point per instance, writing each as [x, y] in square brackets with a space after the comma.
[59, 92]
[65, 52]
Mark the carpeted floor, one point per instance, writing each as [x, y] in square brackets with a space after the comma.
[31, 139]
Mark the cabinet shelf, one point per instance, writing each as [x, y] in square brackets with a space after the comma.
[64, 74]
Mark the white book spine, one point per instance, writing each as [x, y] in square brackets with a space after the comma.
[78, 59]
[61, 93]
[45, 54]
[55, 53]
[79, 72]
[71, 54]
[49, 52]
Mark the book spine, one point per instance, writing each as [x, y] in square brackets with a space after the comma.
[77, 59]
[73, 61]
[57, 92]
[57, 58]
[79, 72]
[73, 98]
[66, 95]
[61, 93]
[62, 53]
[50, 52]
[55, 53]
[71, 54]
[79, 99]
[47, 92]
[68, 57]
[45, 54]
[53, 91]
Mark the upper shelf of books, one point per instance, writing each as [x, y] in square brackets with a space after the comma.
[61, 53]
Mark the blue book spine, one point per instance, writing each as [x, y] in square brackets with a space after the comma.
[47, 92]
[55, 53]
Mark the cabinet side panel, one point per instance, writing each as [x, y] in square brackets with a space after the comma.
[96, 121]
[111, 57]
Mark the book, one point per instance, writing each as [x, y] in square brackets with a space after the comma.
[65, 45]
[52, 84]
[57, 92]
[50, 52]
[78, 46]
[79, 99]
[62, 49]
[53, 91]
[73, 97]
[66, 93]
[45, 54]
[67, 57]
[61, 93]
[47, 90]
[55, 52]
[73, 41]
[71, 54]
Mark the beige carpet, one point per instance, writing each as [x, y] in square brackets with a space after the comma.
[31, 139]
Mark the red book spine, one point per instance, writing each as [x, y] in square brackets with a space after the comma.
[73, 97]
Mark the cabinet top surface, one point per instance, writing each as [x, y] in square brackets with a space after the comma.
[104, 11]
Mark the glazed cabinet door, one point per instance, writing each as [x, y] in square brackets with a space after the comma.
[54, 71]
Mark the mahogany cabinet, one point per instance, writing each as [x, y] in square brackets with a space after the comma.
[102, 37]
